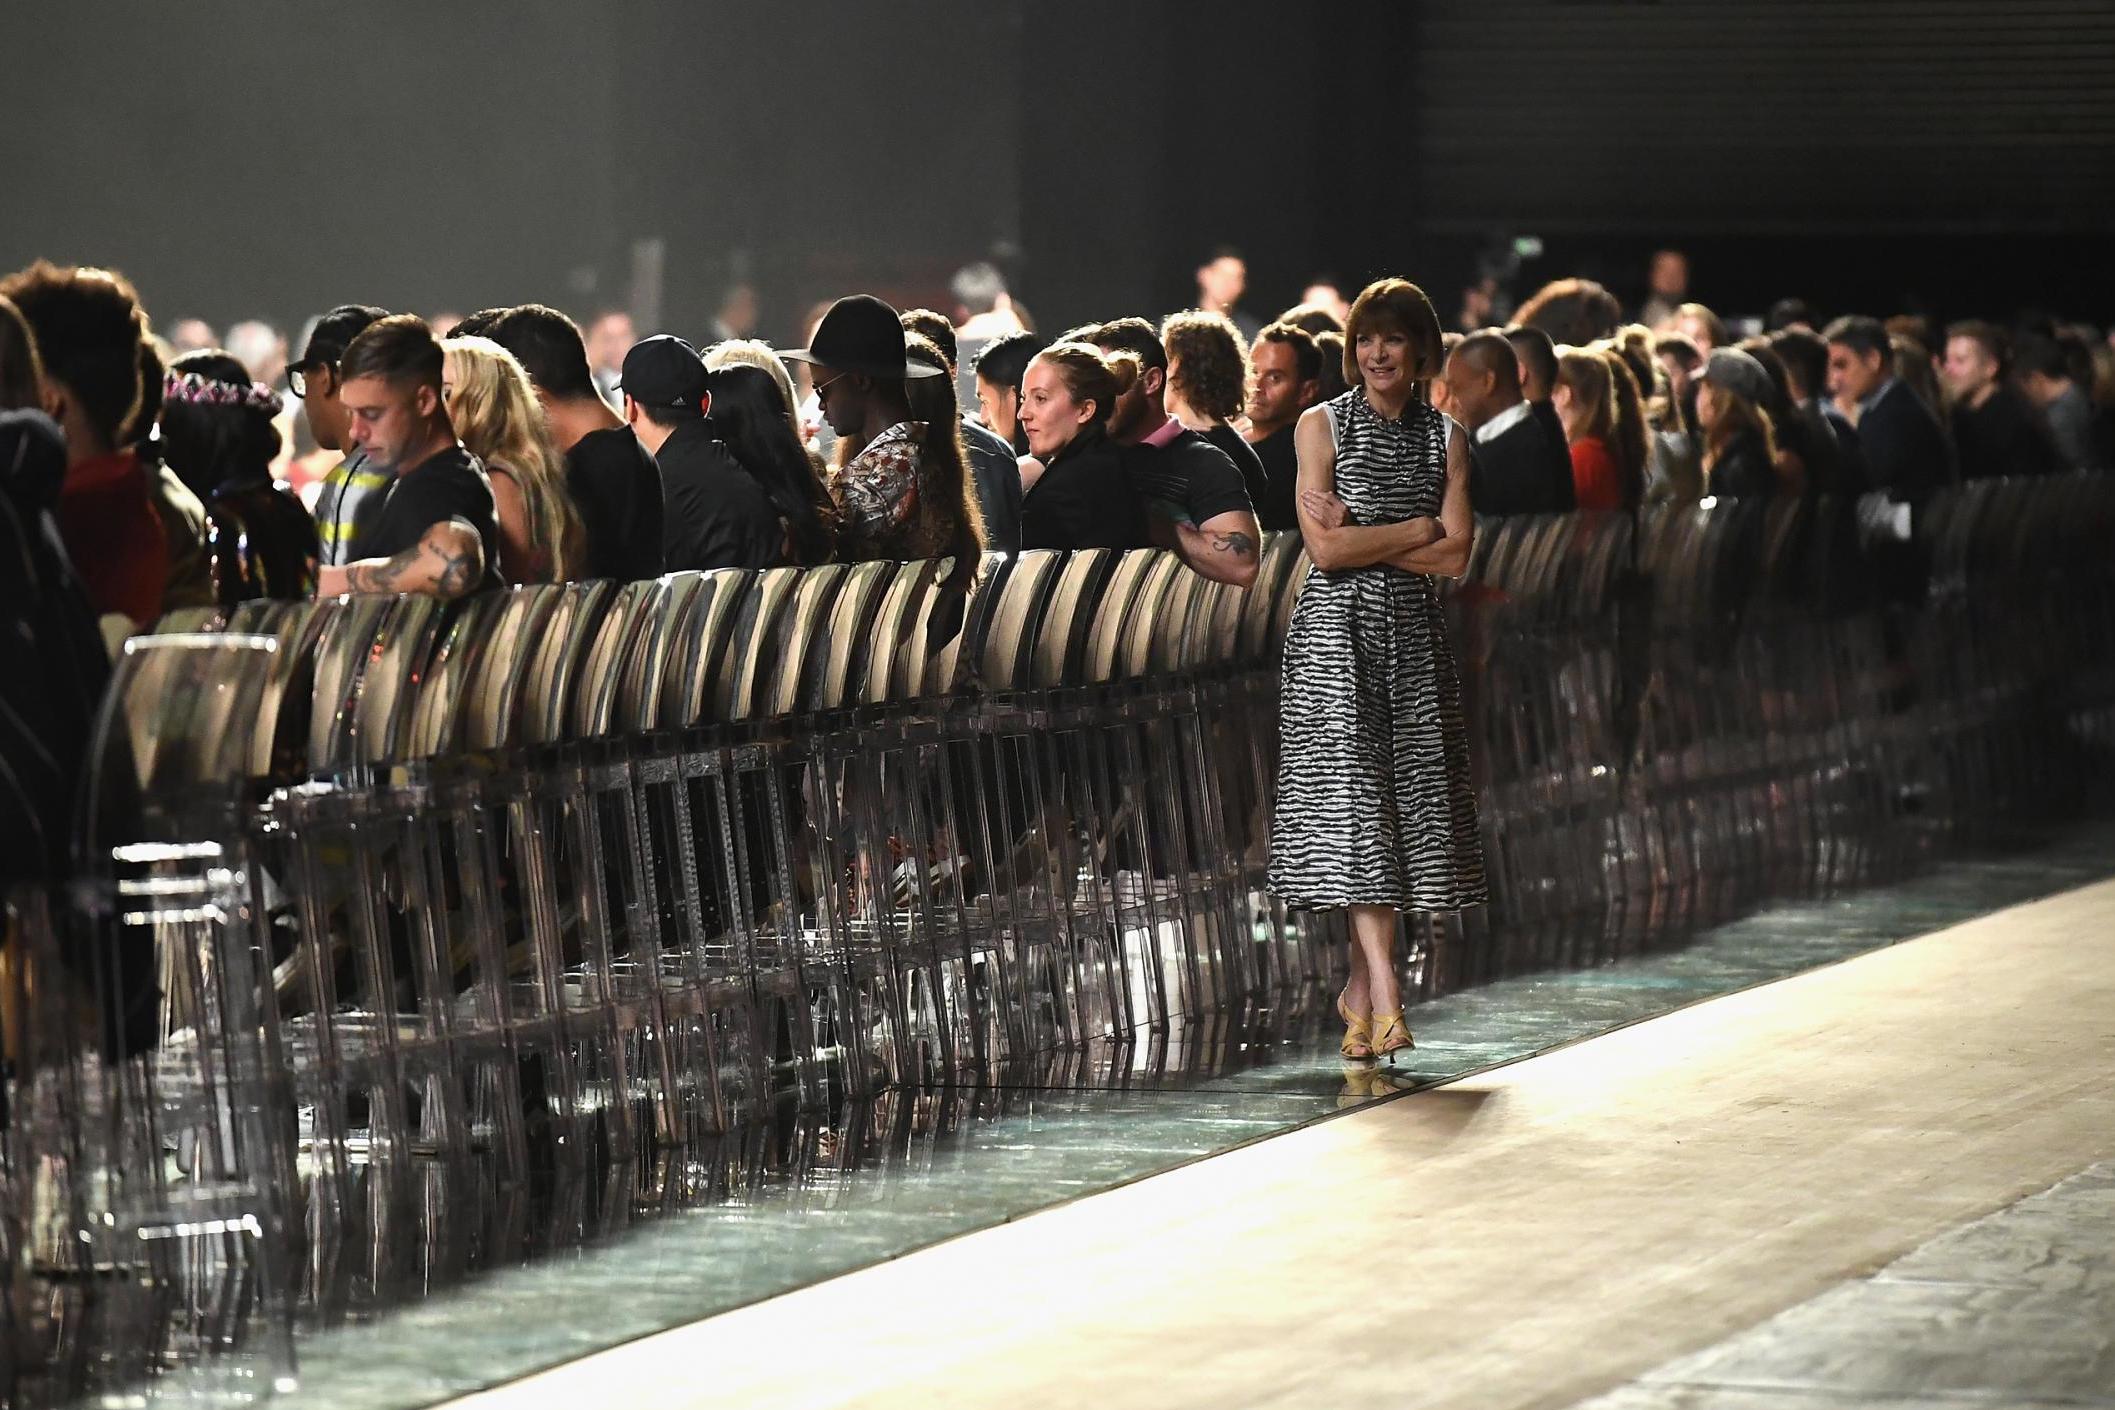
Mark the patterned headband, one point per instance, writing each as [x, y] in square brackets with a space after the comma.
[207, 391]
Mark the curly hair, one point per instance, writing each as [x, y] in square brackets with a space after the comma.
[1572, 311]
[1208, 366]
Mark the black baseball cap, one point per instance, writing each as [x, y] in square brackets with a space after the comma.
[331, 334]
[665, 372]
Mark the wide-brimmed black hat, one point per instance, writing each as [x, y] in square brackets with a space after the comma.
[862, 334]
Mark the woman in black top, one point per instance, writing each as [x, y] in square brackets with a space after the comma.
[748, 415]
[1740, 444]
[1083, 498]
[217, 435]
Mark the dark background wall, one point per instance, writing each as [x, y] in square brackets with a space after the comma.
[267, 159]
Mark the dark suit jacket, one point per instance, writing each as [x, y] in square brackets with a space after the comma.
[1904, 448]
[1523, 470]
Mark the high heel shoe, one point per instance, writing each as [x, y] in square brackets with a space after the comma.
[1358, 1032]
[1393, 1037]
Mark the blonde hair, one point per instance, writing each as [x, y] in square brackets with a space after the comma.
[494, 408]
[754, 352]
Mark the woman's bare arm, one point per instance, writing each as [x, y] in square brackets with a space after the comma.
[1333, 543]
[1447, 556]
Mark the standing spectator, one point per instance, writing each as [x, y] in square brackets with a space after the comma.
[1805, 357]
[1208, 375]
[998, 371]
[88, 330]
[1585, 398]
[1740, 446]
[435, 532]
[616, 485]
[1667, 287]
[747, 412]
[2048, 377]
[736, 316]
[1702, 327]
[1084, 497]
[1221, 281]
[1196, 501]
[1325, 293]
[994, 468]
[907, 494]
[352, 491]
[218, 436]
[1900, 443]
[1573, 311]
[1538, 375]
[609, 336]
[1517, 466]
[1791, 315]
[984, 313]
[1376, 810]
[1996, 430]
[189, 335]
[1288, 369]
[718, 513]
[492, 405]
[1331, 384]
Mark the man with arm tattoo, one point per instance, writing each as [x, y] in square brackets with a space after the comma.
[436, 530]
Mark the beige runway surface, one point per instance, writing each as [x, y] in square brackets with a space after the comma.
[1524, 1238]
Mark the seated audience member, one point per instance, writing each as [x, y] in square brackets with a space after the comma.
[1740, 446]
[1806, 451]
[1331, 385]
[183, 514]
[217, 434]
[2049, 376]
[88, 329]
[998, 372]
[615, 484]
[351, 490]
[994, 468]
[1196, 501]
[436, 532]
[1538, 374]
[1805, 357]
[1702, 327]
[1901, 445]
[1996, 430]
[1084, 496]
[1573, 311]
[718, 515]
[1585, 398]
[493, 407]
[1516, 465]
[748, 414]
[907, 493]
[1288, 371]
[1630, 363]
[1207, 386]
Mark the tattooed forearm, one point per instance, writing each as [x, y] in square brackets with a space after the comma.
[458, 572]
[1236, 543]
[447, 562]
[381, 575]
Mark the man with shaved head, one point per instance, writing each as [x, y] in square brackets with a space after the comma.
[1516, 466]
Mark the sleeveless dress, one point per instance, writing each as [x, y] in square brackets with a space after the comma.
[1375, 803]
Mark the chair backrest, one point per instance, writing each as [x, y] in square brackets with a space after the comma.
[1169, 580]
[953, 658]
[1013, 627]
[754, 648]
[599, 689]
[858, 631]
[804, 653]
[655, 646]
[342, 653]
[1280, 557]
[281, 734]
[491, 713]
[1103, 660]
[899, 632]
[569, 634]
[389, 684]
[180, 713]
[441, 697]
[1069, 617]
[701, 645]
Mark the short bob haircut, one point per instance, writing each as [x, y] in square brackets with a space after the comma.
[1394, 306]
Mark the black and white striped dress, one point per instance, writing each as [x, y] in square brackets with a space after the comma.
[1375, 803]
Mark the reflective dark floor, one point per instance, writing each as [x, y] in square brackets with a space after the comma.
[598, 1261]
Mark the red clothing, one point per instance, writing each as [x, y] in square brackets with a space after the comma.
[114, 536]
[1596, 482]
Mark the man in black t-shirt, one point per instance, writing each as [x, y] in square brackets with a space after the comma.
[436, 530]
[1195, 498]
[1288, 380]
[718, 515]
[1996, 430]
[613, 478]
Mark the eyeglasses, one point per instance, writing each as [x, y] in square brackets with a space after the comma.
[297, 376]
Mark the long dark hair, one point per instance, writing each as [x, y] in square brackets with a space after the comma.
[943, 461]
[749, 416]
[210, 446]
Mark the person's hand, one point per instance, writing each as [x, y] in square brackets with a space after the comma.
[331, 581]
[1325, 508]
